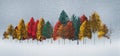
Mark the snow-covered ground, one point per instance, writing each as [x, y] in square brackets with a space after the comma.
[102, 47]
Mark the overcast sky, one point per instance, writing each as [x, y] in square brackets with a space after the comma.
[11, 11]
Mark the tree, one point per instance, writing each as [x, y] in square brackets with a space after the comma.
[55, 31]
[6, 35]
[85, 30]
[9, 31]
[39, 28]
[47, 30]
[31, 27]
[76, 24]
[22, 33]
[69, 31]
[35, 29]
[26, 26]
[15, 34]
[61, 32]
[95, 23]
[83, 18]
[102, 32]
[63, 17]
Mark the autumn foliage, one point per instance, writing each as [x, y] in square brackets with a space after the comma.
[76, 28]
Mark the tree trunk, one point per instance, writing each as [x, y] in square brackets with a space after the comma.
[58, 41]
[83, 41]
[51, 41]
[77, 42]
[110, 41]
[64, 41]
[94, 40]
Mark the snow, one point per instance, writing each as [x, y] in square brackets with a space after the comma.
[30, 47]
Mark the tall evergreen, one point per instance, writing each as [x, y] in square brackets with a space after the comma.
[63, 17]
[47, 30]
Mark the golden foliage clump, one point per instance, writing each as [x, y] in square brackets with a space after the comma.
[95, 22]
[39, 28]
[21, 32]
[102, 32]
[9, 31]
[85, 30]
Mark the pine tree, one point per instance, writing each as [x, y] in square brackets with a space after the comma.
[47, 30]
[76, 24]
[63, 17]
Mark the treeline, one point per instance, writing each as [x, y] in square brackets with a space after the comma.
[74, 28]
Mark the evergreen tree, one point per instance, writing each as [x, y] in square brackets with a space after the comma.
[47, 30]
[63, 17]
[76, 24]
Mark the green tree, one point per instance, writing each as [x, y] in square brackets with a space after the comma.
[47, 30]
[63, 17]
[76, 24]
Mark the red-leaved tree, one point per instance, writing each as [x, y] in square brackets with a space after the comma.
[30, 27]
[69, 31]
[34, 30]
[56, 27]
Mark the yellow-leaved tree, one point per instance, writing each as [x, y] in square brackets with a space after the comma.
[102, 32]
[26, 26]
[85, 30]
[9, 31]
[39, 28]
[95, 23]
[22, 33]
[15, 36]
